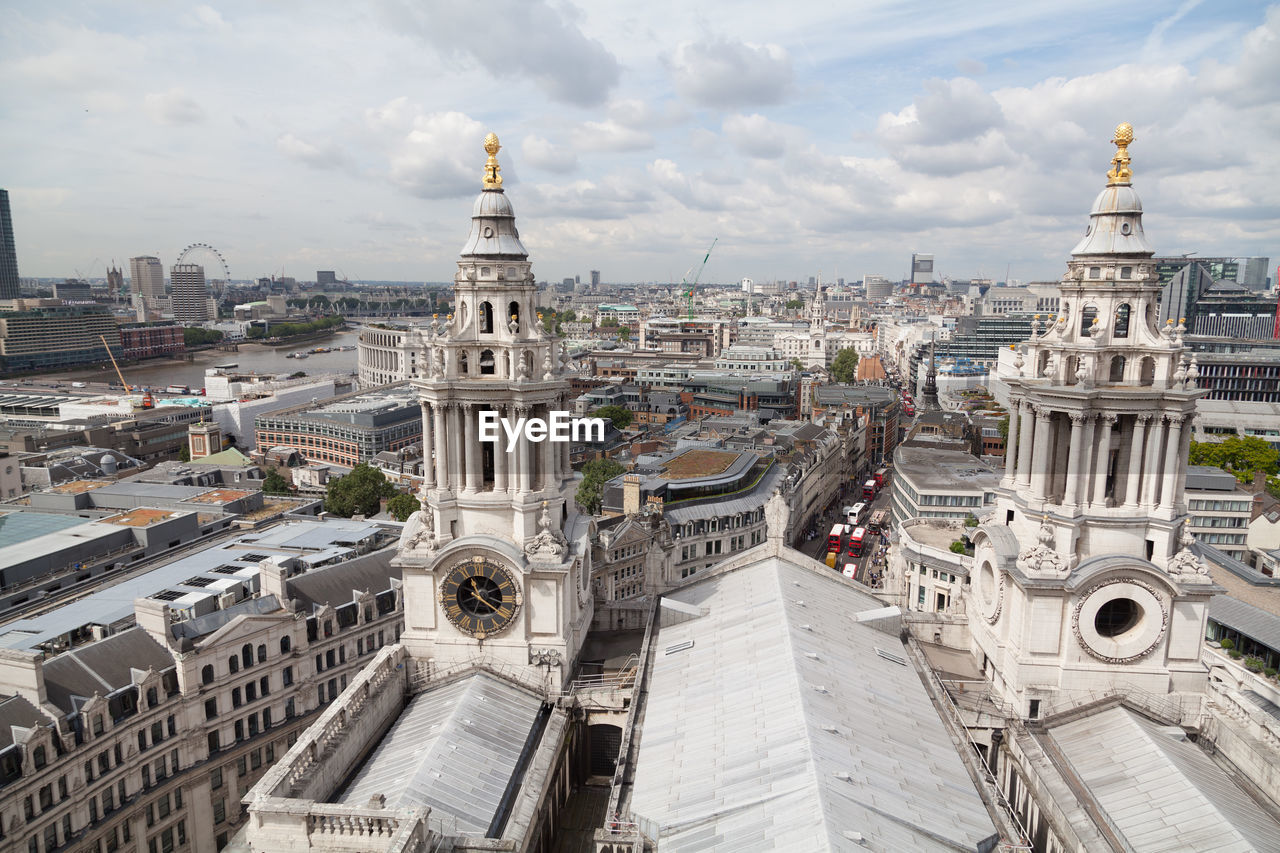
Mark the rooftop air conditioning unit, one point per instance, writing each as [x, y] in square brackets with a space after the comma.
[227, 599]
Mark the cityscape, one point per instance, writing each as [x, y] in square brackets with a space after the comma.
[712, 456]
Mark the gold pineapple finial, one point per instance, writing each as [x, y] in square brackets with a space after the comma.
[492, 180]
[1120, 172]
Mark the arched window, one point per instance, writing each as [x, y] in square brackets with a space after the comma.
[153, 698]
[38, 757]
[487, 364]
[1095, 272]
[206, 674]
[233, 664]
[513, 313]
[1086, 319]
[1073, 363]
[246, 655]
[462, 363]
[1117, 369]
[1121, 328]
[262, 653]
[1147, 375]
[486, 318]
[285, 645]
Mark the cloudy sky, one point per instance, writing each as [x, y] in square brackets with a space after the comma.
[831, 138]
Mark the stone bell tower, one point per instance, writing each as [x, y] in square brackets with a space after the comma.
[1083, 578]
[496, 508]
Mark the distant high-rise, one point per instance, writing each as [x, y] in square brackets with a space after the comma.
[878, 287]
[326, 278]
[921, 269]
[190, 294]
[1252, 272]
[147, 277]
[9, 285]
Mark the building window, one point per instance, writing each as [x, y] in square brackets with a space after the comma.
[286, 644]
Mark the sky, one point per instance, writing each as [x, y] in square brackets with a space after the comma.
[809, 139]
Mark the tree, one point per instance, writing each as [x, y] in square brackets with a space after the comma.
[845, 367]
[620, 415]
[609, 323]
[569, 316]
[1003, 426]
[795, 304]
[624, 334]
[194, 336]
[797, 364]
[184, 453]
[595, 474]
[1241, 456]
[402, 506]
[274, 484]
[360, 492]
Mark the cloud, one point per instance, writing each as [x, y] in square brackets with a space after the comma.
[326, 155]
[949, 111]
[520, 39]
[396, 114]
[644, 115]
[611, 136]
[611, 197]
[437, 158]
[1251, 80]
[725, 74]
[173, 107]
[756, 136]
[542, 154]
[211, 19]
[971, 67]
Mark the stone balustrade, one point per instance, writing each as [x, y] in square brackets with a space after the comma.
[287, 811]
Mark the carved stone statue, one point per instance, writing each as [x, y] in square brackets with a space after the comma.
[1186, 564]
[1041, 558]
[437, 363]
[777, 515]
[514, 325]
[549, 544]
[419, 532]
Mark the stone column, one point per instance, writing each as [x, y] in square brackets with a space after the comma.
[428, 444]
[1027, 423]
[1151, 473]
[522, 455]
[1086, 463]
[1102, 460]
[456, 447]
[500, 454]
[1075, 458]
[1134, 480]
[442, 443]
[1169, 491]
[470, 452]
[1011, 444]
[1043, 452]
[549, 458]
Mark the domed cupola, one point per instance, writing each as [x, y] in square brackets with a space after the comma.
[1115, 223]
[493, 222]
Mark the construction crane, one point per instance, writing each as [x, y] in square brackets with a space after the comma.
[111, 355]
[694, 285]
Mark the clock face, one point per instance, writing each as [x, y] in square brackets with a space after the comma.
[480, 597]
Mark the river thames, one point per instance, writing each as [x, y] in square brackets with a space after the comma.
[252, 358]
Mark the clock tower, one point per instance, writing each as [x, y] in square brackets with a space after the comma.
[1083, 579]
[495, 563]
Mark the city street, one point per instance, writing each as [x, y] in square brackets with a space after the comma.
[816, 546]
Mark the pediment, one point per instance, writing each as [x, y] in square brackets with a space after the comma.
[243, 629]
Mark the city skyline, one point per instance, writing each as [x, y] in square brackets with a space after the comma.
[833, 142]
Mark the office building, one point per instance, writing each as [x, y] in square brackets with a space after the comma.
[345, 431]
[1218, 510]
[1233, 311]
[878, 287]
[190, 294]
[55, 336]
[146, 277]
[10, 287]
[921, 268]
[326, 278]
[595, 279]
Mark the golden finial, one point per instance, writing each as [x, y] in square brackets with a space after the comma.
[492, 180]
[1120, 172]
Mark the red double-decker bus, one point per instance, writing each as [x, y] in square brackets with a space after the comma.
[882, 478]
[869, 490]
[855, 542]
[833, 538]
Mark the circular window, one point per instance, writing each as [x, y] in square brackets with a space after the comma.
[988, 583]
[1116, 617]
[488, 231]
[1121, 619]
[1125, 228]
